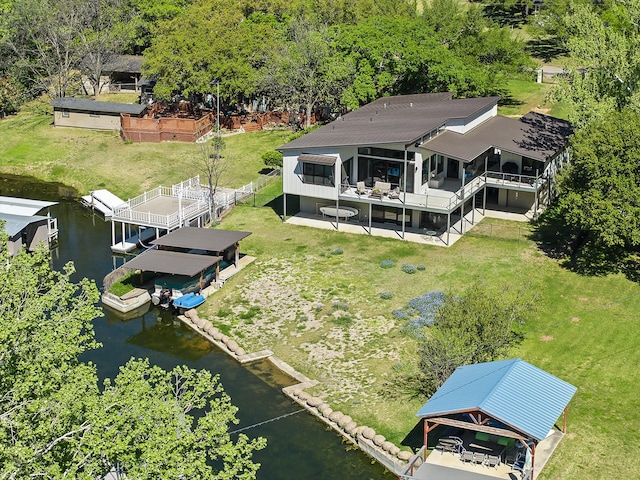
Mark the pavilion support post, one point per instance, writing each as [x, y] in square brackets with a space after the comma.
[201, 282]
[404, 211]
[284, 212]
[337, 214]
[237, 255]
[426, 433]
[123, 235]
[533, 462]
[370, 218]
[113, 233]
[217, 276]
[448, 227]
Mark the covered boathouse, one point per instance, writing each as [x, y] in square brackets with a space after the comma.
[499, 414]
[23, 227]
[202, 257]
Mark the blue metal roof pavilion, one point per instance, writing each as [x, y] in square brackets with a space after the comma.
[506, 398]
[515, 393]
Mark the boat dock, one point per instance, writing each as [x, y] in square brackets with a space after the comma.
[103, 201]
[24, 226]
[160, 210]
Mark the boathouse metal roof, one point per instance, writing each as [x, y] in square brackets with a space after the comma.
[15, 224]
[22, 206]
[88, 105]
[174, 263]
[208, 239]
[514, 392]
[534, 135]
[399, 119]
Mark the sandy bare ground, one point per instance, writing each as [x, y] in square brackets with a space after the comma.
[292, 310]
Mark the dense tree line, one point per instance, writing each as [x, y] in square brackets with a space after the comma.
[300, 54]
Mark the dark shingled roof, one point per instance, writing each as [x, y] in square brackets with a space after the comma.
[401, 119]
[124, 64]
[175, 263]
[88, 105]
[534, 135]
[208, 239]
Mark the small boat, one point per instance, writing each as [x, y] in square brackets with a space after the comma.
[190, 300]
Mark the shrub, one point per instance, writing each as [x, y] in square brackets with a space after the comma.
[343, 321]
[337, 251]
[421, 267]
[386, 295]
[420, 312]
[249, 314]
[387, 263]
[409, 268]
[400, 314]
[272, 159]
[340, 306]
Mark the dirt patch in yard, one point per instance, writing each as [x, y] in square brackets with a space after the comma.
[296, 307]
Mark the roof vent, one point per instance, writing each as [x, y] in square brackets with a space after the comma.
[385, 104]
[371, 119]
[411, 104]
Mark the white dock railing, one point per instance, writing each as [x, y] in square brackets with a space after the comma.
[190, 189]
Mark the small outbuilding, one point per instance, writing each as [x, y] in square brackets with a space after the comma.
[506, 407]
[93, 115]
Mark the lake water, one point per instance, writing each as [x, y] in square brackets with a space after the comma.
[299, 446]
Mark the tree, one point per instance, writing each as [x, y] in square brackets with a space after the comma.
[303, 73]
[147, 14]
[102, 38]
[211, 163]
[45, 324]
[604, 65]
[600, 193]
[10, 96]
[56, 423]
[480, 325]
[43, 36]
[145, 424]
[211, 39]
[272, 159]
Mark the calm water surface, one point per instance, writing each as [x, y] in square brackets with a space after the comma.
[299, 446]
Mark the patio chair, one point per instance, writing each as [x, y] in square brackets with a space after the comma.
[467, 456]
[395, 193]
[492, 461]
[519, 463]
[360, 188]
[383, 187]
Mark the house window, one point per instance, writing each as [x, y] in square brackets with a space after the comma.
[65, 113]
[317, 174]
[94, 114]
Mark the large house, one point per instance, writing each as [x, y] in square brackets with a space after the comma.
[422, 162]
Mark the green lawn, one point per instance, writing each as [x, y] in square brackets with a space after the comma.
[88, 160]
[321, 311]
[313, 296]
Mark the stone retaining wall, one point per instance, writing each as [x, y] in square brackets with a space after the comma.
[375, 445]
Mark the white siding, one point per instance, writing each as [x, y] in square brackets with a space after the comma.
[459, 126]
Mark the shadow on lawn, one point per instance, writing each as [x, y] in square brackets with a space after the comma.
[579, 251]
